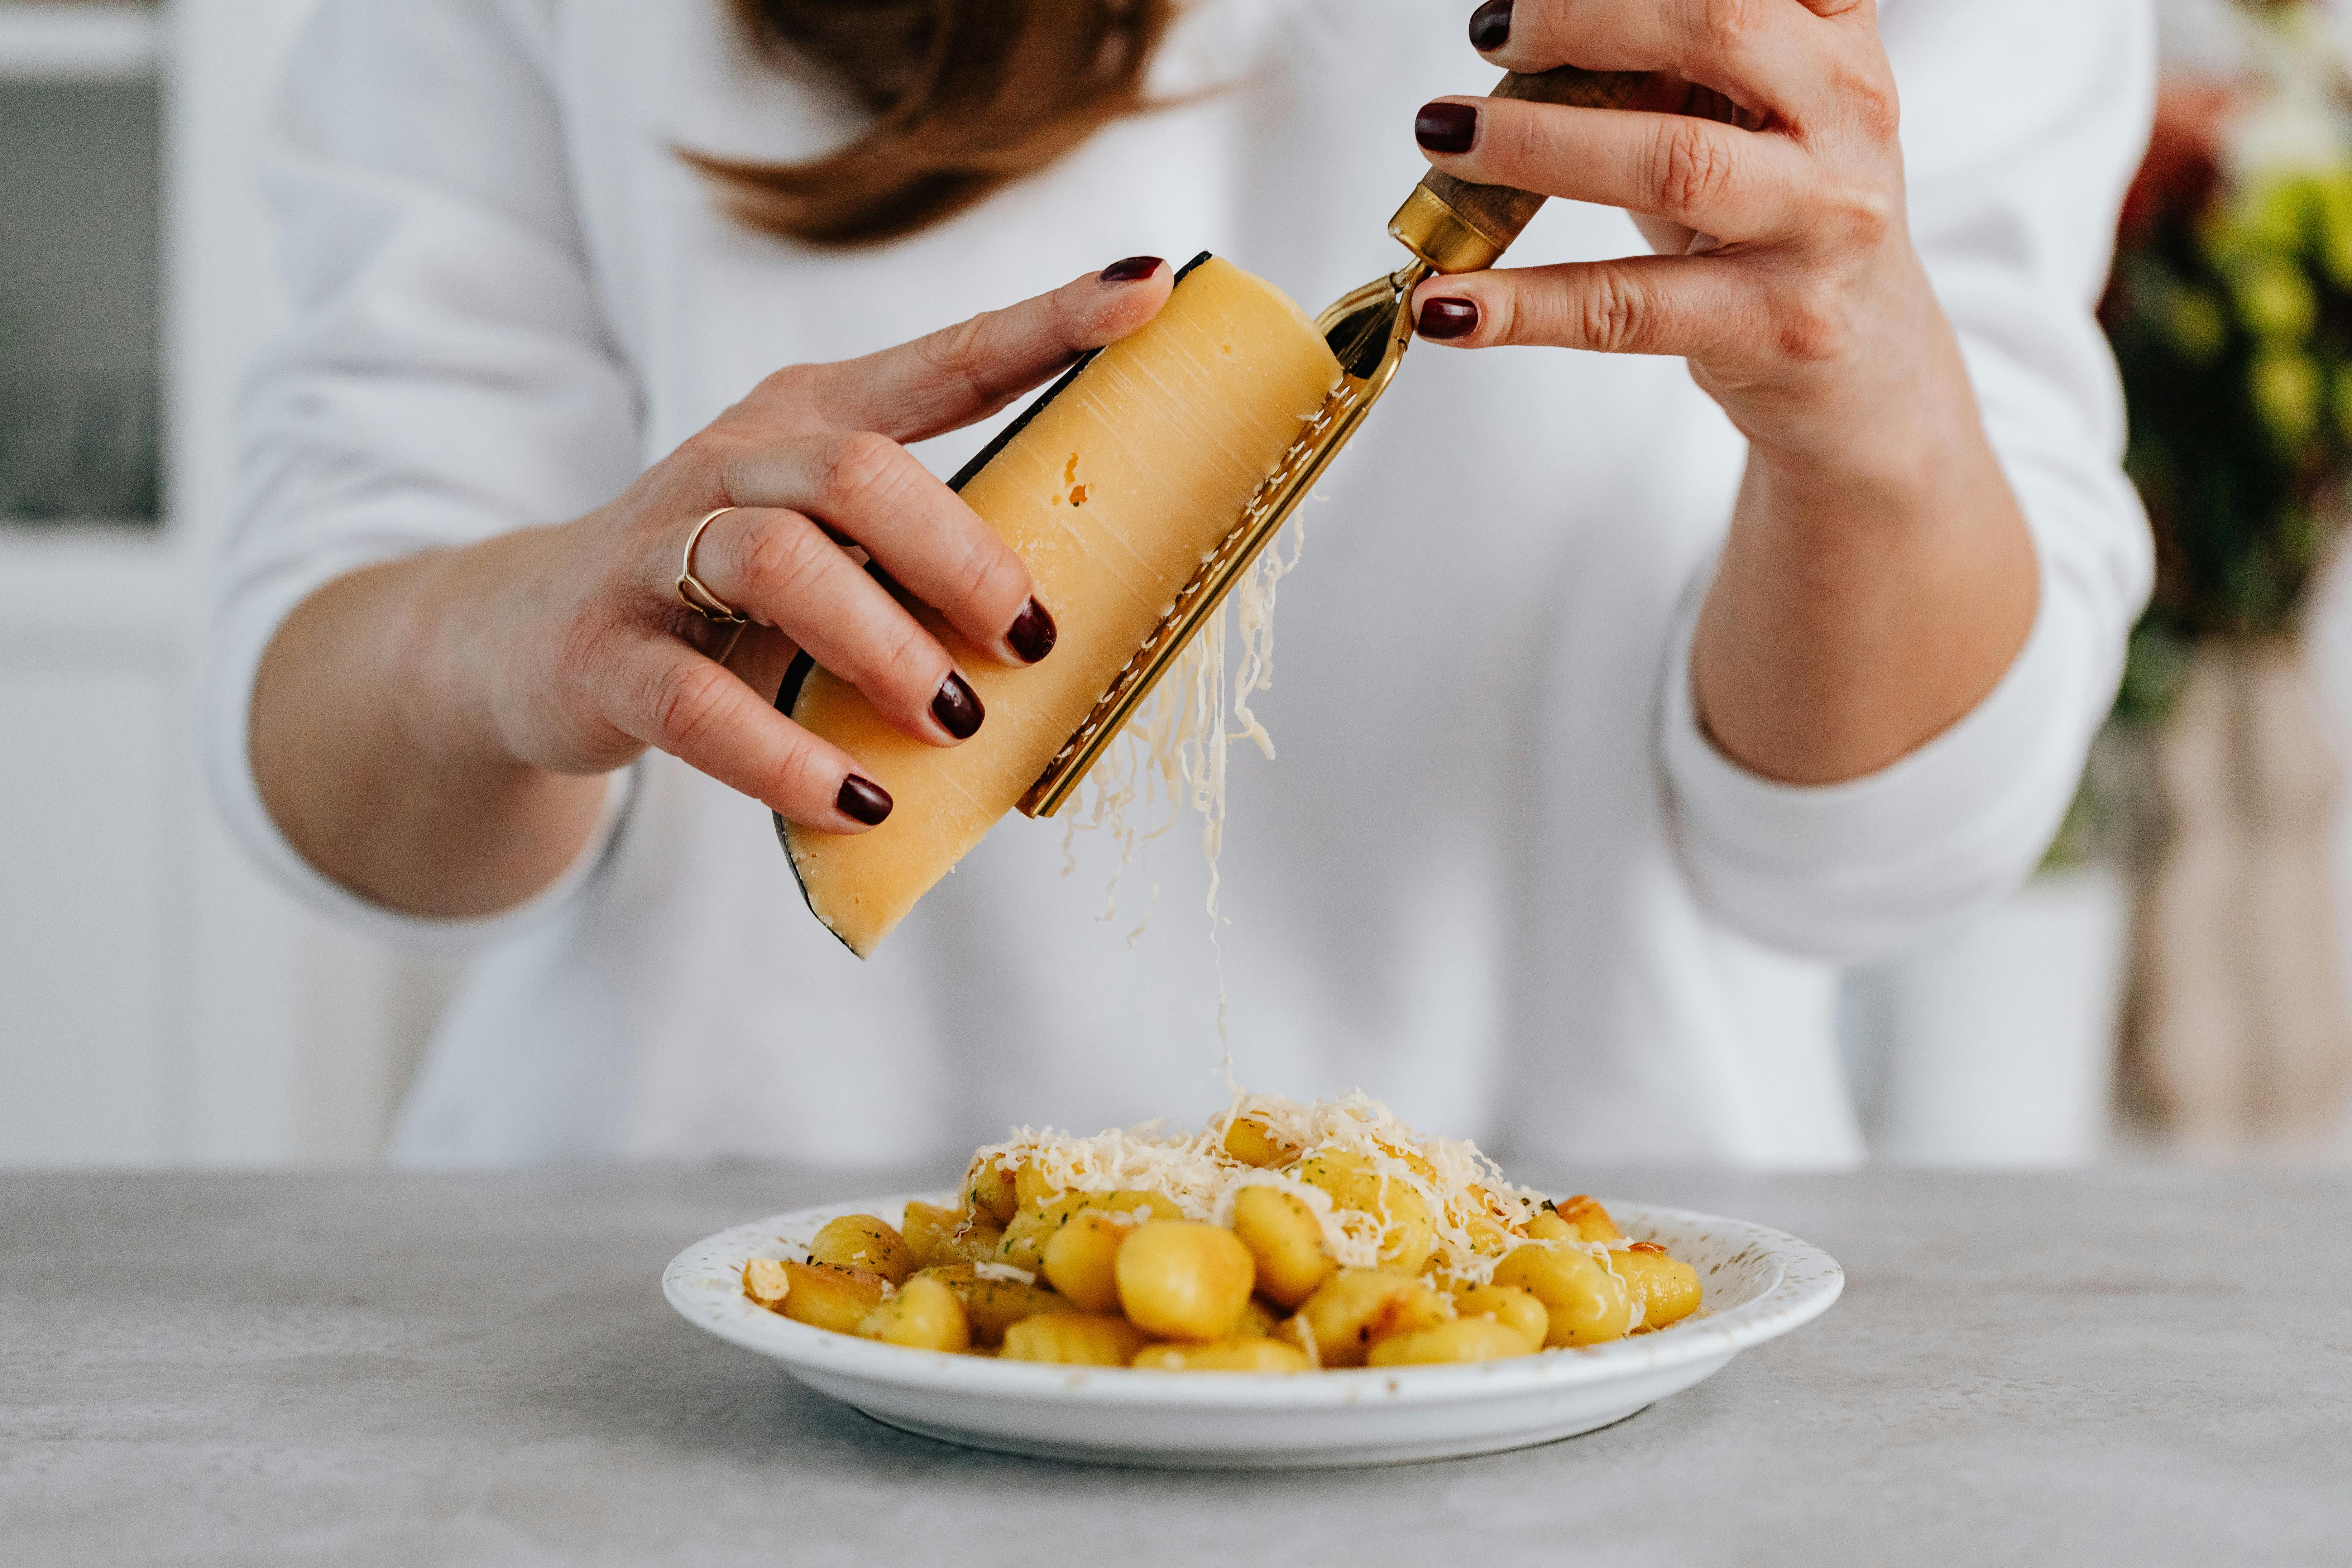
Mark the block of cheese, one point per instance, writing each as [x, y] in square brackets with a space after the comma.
[1114, 488]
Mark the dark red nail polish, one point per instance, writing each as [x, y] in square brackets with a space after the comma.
[1443, 319]
[1034, 632]
[1445, 127]
[863, 800]
[958, 709]
[1134, 270]
[1490, 26]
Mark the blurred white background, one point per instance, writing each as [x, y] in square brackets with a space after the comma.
[160, 1004]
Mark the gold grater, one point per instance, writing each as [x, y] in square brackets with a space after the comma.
[1450, 225]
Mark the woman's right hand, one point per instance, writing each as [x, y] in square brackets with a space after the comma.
[509, 671]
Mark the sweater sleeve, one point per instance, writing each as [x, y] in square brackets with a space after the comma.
[446, 375]
[2022, 125]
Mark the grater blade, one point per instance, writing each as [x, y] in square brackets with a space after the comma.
[1367, 331]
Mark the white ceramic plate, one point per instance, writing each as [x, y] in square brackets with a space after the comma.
[1757, 1283]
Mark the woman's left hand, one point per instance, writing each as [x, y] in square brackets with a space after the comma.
[1878, 579]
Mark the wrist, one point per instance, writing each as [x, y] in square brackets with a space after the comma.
[1887, 445]
[1910, 481]
[1872, 591]
[465, 693]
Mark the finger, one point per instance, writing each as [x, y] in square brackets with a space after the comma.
[674, 698]
[1700, 173]
[779, 567]
[761, 658]
[969, 371]
[1763, 53]
[872, 490]
[1693, 306]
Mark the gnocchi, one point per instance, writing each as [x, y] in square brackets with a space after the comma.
[1081, 1260]
[1284, 1237]
[1223, 1355]
[993, 1303]
[818, 1294]
[1074, 1339]
[861, 1241]
[937, 1235]
[1584, 1299]
[1027, 1233]
[1509, 1306]
[1184, 1280]
[926, 1315]
[1252, 1140]
[1285, 1240]
[1463, 1338]
[1355, 1184]
[1342, 1316]
[1666, 1288]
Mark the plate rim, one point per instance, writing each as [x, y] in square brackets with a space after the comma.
[1810, 1282]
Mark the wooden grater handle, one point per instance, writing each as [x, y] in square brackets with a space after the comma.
[1496, 214]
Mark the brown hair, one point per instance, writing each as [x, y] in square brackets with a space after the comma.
[966, 94]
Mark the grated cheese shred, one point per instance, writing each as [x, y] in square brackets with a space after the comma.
[1172, 754]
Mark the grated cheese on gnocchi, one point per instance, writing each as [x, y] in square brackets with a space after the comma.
[1451, 1177]
[1282, 1236]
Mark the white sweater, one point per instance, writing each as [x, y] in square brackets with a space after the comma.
[1497, 877]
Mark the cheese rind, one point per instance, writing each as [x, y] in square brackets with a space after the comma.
[1113, 491]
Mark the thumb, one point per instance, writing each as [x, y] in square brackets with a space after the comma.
[969, 370]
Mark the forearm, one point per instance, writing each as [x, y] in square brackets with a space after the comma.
[1878, 578]
[376, 751]
[434, 733]
[1869, 596]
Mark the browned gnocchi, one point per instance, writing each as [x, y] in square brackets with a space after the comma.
[1283, 1237]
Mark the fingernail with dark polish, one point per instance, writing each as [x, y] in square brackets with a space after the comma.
[1443, 319]
[863, 800]
[1034, 632]
[1490, 26]
[1445, 127]
[1134, 270]
[958, 709]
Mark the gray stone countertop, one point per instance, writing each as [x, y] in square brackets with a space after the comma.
[2140, 1366]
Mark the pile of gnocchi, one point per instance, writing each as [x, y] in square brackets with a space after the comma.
[1284, 1237]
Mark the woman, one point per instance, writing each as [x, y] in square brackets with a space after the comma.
[1617, 704]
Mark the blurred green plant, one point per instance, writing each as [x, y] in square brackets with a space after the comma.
[2231, 314]
[2233, 330]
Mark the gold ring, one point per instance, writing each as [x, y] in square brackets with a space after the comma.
[699, 599]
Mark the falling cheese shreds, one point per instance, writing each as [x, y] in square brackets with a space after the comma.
[1171, 755]
[1192, 1171]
